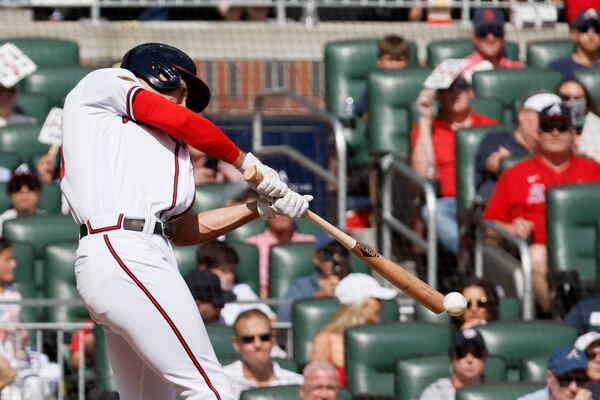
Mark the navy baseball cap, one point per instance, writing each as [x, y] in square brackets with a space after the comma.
[488, 17]
[468, 336]
[555, 112]
[206, 287]
[566, 359]
[323, 240]
[587, 18]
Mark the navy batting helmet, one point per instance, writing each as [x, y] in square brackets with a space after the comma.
[163, 66]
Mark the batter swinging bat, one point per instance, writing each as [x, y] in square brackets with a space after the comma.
[398, 276]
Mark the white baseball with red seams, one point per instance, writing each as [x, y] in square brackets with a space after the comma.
[455, 304]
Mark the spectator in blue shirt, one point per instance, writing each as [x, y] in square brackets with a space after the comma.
[585, 33]
[332, 263]
[585, 315]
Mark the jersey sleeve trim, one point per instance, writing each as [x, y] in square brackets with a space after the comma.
[131, 94]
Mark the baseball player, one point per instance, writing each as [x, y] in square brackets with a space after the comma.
[129, 183]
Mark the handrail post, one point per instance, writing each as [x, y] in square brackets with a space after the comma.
[430, 203]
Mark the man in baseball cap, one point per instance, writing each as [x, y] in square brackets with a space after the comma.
[589, 343]
[585, 34]
[208, 294]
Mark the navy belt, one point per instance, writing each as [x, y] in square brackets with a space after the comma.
[134, 224]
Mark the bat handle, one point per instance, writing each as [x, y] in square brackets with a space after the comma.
[252, 175]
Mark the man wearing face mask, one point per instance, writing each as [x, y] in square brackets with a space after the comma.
[332, 263]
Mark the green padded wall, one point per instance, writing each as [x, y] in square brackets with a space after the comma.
[439, 50]
[46, 51]
[541, 52]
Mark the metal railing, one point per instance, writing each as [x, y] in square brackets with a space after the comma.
[389, 222]
[340, 146]
[528, 304]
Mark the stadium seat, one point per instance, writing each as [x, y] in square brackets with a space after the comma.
[104, 374]
[288, 363]
[533, 369]
[304, 225]
[517, 340]
[490, 107]
[541, 52]
[35, 105]
[186, 258]
[509, 85]
[287, 392]
[372, 350]
[391, 94]
[250, 229]
[23, 140]
[50, 199]
[220, 337]
[247, 268]
[510, 161]
[54, 81]
[572, 214]
[423, 314]
[497, 391]
[309, 316]
[413, 375]
[47, 51]
[509, 310]
[60, 283]
[9, 160]
[467, 146]
[210, 196]
[437, 51]
[288, 261]
[591, 80]
[25, 279]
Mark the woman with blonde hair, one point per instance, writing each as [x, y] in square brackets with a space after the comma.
[360, 298]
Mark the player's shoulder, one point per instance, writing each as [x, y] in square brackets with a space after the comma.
[109, 75]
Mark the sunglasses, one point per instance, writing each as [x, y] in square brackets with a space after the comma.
[580, 378]
[328, 254]
[592, 355]
[568, 97]
[266, 337]
[562, 125]
[461, 352]
[585, 26]
[496, 31]
[481, 303]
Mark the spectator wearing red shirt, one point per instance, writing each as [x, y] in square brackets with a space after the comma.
[518, 202]
[433, 144]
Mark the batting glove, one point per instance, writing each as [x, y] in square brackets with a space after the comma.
[271, 185]
[292, 205]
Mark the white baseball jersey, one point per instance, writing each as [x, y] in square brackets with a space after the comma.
[116, 167]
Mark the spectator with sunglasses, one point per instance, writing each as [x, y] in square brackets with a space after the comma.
[253, 339]
[566, 378]
[518, 202]
[24, 191]
[585, 34]
[332, 263]
[488, 37]
[467, 362]
[589, 343]
[482, 303]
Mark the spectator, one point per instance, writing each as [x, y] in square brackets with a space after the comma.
[488, 37]
[237, 13]
[497, 146]
[566, 377]
[8, 108]
[320, 381]
[433, 155]
[208, 294]
[589, 343]
[482, 303]
[208, 169]
[332, 263]
[585, 117]
[253, 339]
[585, 34]
[585, 315]
[360, 298]
[24, 191]
[518, 202]
[89, 341]
[467, 362]
[280, 229]
[393, 54]
[221, 259]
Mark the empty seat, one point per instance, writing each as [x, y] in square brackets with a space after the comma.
[591, 80]
[35, 105]
[247, 268]
[288, 261]
[250, 229]
[286, 392]
[9, 160]
[209, 196]
[55, 82]
[23, 140]
[541, 52]
[439, 50]
[497, 391]
[46, 51]
[220, 338]
[372, 350]
[533, 369]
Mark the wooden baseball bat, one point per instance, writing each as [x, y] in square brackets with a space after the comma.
[394, 273]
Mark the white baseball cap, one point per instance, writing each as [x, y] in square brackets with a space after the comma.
[357, 287]
[539, 101]
[584, 341]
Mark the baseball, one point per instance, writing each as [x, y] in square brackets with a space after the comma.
[455, 304]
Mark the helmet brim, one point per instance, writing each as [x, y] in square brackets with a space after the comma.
[198, 91]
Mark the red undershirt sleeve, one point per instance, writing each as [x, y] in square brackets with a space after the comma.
[195, 130]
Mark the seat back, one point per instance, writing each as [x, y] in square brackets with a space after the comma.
[533, 369]
[497, 391]
[55, 81]
[490, 107]
[250, 229]
[247, 268]
[541, 52]
[509, 309]
[220, 338]
[515, 340]
[508, 162]
[186, 258]
[371, 352]
[285, 392]
[23, 140]
[288, 261]
[391, 94]
[210, 196]
[104, 374]
[572, 214]
[25, 279]
[591, 80]
[439, 50]
[414, 374]
[46, 51]
[9, 160]
[35, 105]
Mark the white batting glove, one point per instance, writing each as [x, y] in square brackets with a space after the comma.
[292, 205]
[271, 185]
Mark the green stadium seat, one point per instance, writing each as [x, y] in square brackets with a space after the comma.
[247, 268]
[309, 316]
[25, 279]
[391, 94]
[372, 352]
[490, 107]
[510, 161]
[518, 340]
[220, 338]
[104, 374]
[423, 314]
[467, 146]
[46, 51]
[288, 261]
[439, 50]
[245, 231]
[572, 214]
[288, 363]
[541, 52]
[509, 309]
[35, 105]
[533, 369]
[497, 391]
[54, 81]
[210, 196]
[304, 225]
[413, 375]
[591, 80]
[60, 283]
[10, 160]
[286, 392]
[186, 258]
[510, 85]
[23, 140]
